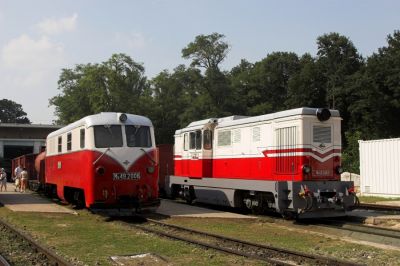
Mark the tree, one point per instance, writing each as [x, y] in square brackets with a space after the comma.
[338, 59]
[12, 112]
[117, 85]
[306, 88]
[206, 51]
[176, 96]
[268, 88]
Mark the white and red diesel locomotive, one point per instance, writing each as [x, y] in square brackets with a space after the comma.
[104, 161]
[288, 161]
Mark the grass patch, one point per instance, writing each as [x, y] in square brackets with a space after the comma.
[287, 236]
[87, 239]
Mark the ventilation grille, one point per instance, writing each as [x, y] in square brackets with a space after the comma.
[286, 142]
[322, 134]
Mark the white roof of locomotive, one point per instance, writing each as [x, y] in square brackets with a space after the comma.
[239, 120]
[104, 118]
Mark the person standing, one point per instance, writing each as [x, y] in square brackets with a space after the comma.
[17, 178]
[24, 179]
[3, 179]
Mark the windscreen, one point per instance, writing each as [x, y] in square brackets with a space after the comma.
[138, 136]
[106, 136]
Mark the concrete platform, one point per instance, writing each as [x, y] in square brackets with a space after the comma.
[174, 209]
[29, 202]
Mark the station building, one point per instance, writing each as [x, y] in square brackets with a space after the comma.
[20, 139]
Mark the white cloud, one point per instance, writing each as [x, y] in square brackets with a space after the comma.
[33, 55]
[29, 69]
[56, 26]
[131, 40]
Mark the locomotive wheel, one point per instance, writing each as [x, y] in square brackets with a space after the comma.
[189, 195]
[79, 199]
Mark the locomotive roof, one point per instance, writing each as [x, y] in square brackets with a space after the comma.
[104, 118]
[237, 120]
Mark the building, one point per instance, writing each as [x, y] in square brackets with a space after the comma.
[20, 139]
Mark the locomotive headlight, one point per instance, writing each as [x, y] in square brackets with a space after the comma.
[339, 170]
[123, 118]
[306, 169]
[100, 170]
[150, 169]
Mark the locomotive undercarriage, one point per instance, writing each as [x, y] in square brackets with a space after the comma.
[305, 199]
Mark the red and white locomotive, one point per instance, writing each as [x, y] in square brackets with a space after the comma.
[104, 161]
[288, 161]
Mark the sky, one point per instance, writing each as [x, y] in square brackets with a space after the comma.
[40, 38]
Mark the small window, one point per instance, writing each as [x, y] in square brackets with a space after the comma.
[195, 140]
[82, 138]
[69, 141]
[207, 139]
[224, 138]
[256, 134]
[59, 144]
[198, 140]
[185, 142]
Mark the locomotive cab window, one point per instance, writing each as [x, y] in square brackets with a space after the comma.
[322, 134]
[59, 144]
[207, 139]
[106, 136]
[69, 141]
[195, 140]
[185, 142]
[82, 138]
[138, 136]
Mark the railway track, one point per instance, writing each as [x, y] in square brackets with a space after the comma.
[374, 234]
[47, 256]
[269, 254]
[377, 207]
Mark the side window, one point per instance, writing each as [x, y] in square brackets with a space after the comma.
[224, 138]
[185, 142]
[82, 138]
[195, 140]
[69, 141]
[207, 139]
[59, 144]
[198, 140]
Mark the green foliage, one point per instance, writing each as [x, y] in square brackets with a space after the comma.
[351, 154]
[366, 92]
[117, 85]
[12, 112]
[206, 51]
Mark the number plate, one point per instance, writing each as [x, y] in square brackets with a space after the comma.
[322, 172]
[126, 176]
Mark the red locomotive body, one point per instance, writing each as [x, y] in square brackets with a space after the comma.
[104, 161]
[287, 161]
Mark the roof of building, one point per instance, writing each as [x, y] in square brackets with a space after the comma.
[29, 125]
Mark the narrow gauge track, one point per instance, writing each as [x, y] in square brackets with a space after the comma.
[51, 257]
[272, 255]
[384, 235]
[378, 207]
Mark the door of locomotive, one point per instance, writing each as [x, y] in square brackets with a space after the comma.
[200, 153]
